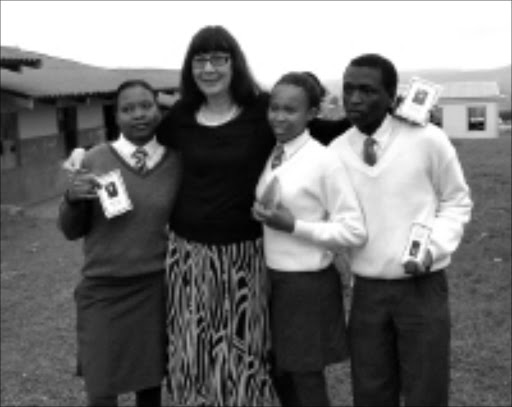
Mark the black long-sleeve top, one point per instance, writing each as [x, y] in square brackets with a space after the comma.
[222, 165]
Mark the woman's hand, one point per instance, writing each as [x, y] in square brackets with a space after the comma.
[278, 217]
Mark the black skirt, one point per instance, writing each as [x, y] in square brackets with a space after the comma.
[121, 332]
[307, 319]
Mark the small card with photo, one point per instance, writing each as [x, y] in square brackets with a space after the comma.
[113, 195]
[272, 194]
[421, 97]
[417, 244]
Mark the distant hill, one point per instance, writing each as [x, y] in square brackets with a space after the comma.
[500, 75]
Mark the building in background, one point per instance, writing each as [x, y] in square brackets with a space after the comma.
[467, 109]
[50, 106]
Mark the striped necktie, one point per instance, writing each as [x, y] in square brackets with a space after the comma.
[140, 155]
[369, 153]
[277, 156]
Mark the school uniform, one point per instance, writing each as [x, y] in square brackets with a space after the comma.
[399, 325]
[120, 300]
[306, 307]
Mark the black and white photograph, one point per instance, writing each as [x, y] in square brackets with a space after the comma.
[255, 203]
[420, 96]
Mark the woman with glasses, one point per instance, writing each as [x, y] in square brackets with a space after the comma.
[217, 319]
[217, 309]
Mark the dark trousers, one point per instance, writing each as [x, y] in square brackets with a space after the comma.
[144, 398]
[399, 334]
[301, 389]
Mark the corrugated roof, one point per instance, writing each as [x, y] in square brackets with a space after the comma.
[15, 57]
[16, 53]
[60, 78]
[16, 64]
[158, 78]
[47, 61]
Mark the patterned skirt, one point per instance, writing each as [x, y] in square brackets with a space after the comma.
[217, 325]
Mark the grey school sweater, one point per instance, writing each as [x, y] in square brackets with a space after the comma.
[135, 242]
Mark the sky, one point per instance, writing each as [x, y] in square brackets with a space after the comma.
[276, 36]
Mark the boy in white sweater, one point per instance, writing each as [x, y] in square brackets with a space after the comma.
[399, 324]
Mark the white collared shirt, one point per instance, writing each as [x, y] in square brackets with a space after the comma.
[293, 146]
[126, 148]
[315, 187]
[382, 137]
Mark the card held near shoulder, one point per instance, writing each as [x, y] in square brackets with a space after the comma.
[419, 101]
[113, 196]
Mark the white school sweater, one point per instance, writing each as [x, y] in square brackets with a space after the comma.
[417, 178]
[315, 187]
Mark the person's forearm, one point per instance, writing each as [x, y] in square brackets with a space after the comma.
[74, 218]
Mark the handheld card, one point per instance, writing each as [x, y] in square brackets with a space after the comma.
[417, 244]
[113, 196]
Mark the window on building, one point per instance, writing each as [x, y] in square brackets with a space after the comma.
[9, 144]
[476, 118]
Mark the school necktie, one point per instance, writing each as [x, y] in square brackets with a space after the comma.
[140, 155]
[277, 155]
[369, 153]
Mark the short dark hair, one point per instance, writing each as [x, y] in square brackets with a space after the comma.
[385, 66]
[132, 83]
[304, 81]
[243, 87]
[321, 87]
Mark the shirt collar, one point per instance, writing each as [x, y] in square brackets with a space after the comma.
[127, 148]
[294, 145]
[382, 134]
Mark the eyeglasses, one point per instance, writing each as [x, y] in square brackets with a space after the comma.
[215, 60]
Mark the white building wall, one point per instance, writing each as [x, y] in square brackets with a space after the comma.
[493, 114]
[455, 118]
[42, 121]
[90, 116]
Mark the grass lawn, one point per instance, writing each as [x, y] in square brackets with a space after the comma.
[39, 270]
